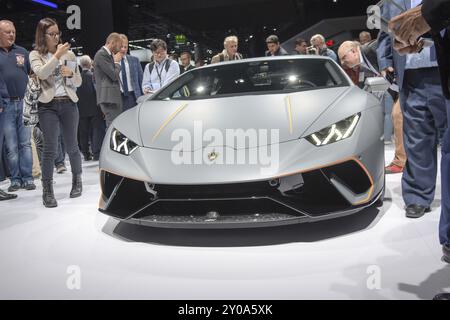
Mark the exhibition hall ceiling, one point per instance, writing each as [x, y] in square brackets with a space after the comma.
[207, 21]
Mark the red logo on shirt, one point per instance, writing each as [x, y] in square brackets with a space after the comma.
[20, 58]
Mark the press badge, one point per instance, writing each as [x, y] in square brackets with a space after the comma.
[361, 77]
[20, 58]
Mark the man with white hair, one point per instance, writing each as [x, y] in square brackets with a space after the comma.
[230, 51]
[318, 42]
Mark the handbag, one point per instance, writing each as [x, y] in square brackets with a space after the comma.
[31, 101]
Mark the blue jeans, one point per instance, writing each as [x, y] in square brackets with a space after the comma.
[2, 138]
[444, 223]
[18, 144]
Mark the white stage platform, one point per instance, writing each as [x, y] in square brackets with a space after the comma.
[375, 254]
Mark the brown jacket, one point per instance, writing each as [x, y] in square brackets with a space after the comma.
[224, 53]
[44, 68]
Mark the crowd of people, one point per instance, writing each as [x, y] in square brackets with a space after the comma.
[80, 99]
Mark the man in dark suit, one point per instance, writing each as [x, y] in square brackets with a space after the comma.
[131, 75]
[434, 17]
[92, 125]
[107, 77]
[185, 65]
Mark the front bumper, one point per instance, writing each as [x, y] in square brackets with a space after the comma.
[332, 191]
[308, 184]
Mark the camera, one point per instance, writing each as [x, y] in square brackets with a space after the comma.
[311, 50]
[391, 77]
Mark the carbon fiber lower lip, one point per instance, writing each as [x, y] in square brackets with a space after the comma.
[325, 193]
[237, 221]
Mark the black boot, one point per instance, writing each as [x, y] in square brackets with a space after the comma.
[6, 196]
[48, 196]
[77, 186]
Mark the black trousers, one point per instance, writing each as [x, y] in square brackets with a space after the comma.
[92, 131]
[53, 116]
[111, 111]
[128, 101]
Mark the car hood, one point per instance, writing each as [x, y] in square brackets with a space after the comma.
[279, 117]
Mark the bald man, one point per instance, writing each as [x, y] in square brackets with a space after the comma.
[357, 58]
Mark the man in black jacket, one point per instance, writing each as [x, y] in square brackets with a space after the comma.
[92, 125]
[185, 65]
[432, 16]
[274, 47]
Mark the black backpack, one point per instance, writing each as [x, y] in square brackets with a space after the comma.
[151, 65]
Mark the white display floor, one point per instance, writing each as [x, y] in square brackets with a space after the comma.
[375, 254]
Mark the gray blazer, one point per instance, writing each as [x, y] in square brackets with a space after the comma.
[106, 74]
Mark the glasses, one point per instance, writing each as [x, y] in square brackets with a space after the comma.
[159, 52]
[54, 35]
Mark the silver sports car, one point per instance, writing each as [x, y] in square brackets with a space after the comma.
[249, 143]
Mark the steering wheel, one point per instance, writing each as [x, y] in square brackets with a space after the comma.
[301, 84]
[309, 83]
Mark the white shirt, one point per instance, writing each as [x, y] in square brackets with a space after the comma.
[107, 50]
[415, 3]
[127, 71]
[422, 59]
[110, 53]
[159, 77]
[60, 90]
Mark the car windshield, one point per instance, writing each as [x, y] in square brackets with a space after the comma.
[255, 77]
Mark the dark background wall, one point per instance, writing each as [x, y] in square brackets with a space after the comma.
[100, 18]
[202, 21]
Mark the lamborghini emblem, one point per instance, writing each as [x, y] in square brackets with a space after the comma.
[213, 156]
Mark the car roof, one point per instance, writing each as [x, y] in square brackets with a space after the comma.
[260, 59]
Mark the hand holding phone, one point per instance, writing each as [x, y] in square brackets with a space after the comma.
[66, 72]
[61, 50]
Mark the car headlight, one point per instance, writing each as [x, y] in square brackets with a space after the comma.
[121, 144]
[336, 132]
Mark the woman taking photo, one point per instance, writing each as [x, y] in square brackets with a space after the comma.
[56, 68]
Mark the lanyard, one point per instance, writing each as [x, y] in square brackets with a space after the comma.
[159, 72]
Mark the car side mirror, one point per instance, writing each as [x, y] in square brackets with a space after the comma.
[377, 86]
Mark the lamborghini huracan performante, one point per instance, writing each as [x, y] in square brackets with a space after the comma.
[249, 143]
